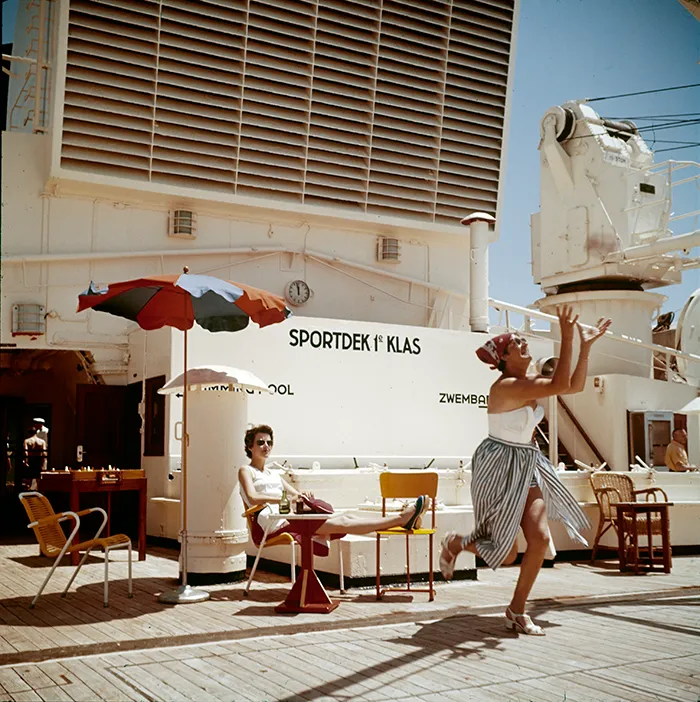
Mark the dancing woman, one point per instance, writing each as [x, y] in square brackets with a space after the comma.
[513, 484]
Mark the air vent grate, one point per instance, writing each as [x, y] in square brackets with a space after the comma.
[183, 224]
[388, 249]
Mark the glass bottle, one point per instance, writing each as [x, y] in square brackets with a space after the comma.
[284, 503]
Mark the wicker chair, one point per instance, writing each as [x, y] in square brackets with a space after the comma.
[610, 488]
[54, 544]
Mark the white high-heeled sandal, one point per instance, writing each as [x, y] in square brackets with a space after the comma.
[447, 565]
[522, 624]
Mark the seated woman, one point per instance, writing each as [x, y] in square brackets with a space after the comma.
[261, 486]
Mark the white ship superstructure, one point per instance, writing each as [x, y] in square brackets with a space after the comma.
[326, 151]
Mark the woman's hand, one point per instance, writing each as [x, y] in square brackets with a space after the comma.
[567, 321]
[588, 336]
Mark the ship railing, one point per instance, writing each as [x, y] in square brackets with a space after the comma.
[665, 353]
[671, 167]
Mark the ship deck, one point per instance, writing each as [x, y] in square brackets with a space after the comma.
[610, 636]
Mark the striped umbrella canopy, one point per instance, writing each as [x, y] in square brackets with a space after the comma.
[181, 300]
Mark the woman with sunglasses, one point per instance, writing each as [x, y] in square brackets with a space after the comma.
[261, 486]
[513, 484]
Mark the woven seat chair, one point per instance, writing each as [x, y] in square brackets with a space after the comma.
[54, 544]
[610, 488]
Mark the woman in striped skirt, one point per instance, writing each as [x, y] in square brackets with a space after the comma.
[513, 484]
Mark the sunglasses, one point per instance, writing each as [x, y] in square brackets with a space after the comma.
[264, 442]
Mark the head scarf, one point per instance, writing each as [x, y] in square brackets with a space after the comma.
[492, 351]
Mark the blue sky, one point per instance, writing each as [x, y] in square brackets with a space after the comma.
[569, 49]
[572, 49]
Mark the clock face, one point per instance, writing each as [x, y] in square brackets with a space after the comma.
[298, 292]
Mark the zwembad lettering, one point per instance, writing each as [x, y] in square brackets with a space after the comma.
[344, 341]
[457, 398]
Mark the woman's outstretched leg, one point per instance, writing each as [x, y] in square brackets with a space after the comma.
[351, 524]
[536, 531]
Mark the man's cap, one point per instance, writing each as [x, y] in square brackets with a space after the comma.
[37, 420]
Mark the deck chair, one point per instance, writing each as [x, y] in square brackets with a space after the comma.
[278, 540]
[264, 542]
[54, 544]
[610, 488]
[399, 485]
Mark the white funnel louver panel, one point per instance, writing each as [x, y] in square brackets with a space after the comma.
[392, 107]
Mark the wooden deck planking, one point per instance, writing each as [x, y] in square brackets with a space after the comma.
[204, 666]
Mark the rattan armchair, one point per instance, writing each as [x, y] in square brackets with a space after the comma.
[54, 544]
[610, 488]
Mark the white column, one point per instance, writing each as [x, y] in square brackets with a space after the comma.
[478, 224]
[217, 532]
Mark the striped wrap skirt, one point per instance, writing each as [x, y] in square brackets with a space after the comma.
[502, 474]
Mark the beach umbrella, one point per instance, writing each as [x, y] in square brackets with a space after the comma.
[179, 301]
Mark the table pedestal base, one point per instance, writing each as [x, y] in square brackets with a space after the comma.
[307, 595]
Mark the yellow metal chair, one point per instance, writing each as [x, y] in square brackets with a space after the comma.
[395, 485]
[610, 488]
[53, 542]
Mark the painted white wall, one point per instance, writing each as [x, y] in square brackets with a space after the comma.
[604, 414]
[59, 236]
[400, 394]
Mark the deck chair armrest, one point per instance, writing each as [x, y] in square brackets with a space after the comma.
[652, 491]
[253, 510]
[60, 517]
[604, 492]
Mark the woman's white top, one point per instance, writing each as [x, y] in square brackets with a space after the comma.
[515, 426]
[266, 482]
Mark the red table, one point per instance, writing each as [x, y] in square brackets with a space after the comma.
[633, 509]
[307, 593]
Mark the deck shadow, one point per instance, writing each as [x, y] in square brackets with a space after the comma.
[40, 561]
[460, 636]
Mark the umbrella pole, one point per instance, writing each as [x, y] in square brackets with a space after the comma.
[184, 594]
[185, 443]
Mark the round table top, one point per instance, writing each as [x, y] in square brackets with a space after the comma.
[305, 516]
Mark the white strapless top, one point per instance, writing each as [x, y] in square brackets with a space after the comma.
[517, 425]
[266, 482]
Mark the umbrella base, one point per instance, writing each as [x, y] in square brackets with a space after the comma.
[183, 595]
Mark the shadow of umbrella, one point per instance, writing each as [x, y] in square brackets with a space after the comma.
[179, 301]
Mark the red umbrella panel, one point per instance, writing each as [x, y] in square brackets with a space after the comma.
[181, 300]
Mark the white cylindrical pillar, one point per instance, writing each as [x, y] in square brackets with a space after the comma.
[478, 224]
[631, 312]
[216, 527]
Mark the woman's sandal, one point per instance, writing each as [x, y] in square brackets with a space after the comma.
[421, 506]
[522, 624]
[448, 560]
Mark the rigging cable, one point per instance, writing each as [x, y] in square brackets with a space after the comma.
[642, 92]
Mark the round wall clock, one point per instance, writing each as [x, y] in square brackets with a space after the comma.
[297, 292]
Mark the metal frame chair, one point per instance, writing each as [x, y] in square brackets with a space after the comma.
[399, 485]
[278, 540]
[610, 488]
[53, 542]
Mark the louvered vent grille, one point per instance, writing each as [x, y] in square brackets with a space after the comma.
[381, 106]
